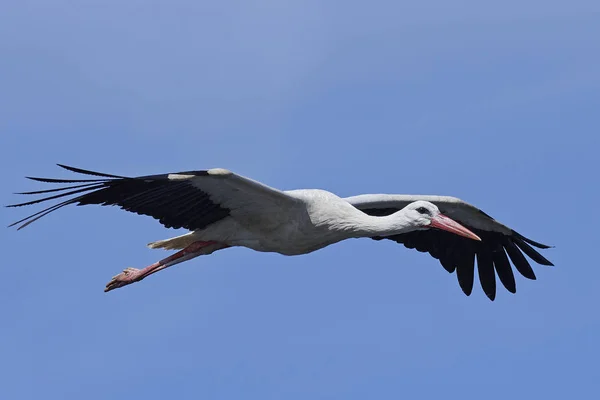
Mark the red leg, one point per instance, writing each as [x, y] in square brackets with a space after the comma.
[131, 275]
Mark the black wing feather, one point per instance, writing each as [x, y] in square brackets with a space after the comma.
[504, 270]
[485, 268]
[88, 172]
[531, 242]
[174, 203]
[534, 255]
[457, 253]
[519, 260]
[59, 189]
[465, 271]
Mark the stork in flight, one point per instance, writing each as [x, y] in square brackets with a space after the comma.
[222, 209]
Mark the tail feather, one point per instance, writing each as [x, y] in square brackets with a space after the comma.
[176, 243]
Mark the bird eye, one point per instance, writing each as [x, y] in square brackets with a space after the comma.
[422, 210]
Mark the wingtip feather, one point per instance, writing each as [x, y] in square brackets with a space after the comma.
[88, 172]
[530, 251]
[531, 242]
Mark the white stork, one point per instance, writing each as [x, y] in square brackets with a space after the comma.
[223, 209]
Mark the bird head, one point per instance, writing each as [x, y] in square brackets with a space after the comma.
[426, 215]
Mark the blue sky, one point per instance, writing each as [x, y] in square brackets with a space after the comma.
[496, 104]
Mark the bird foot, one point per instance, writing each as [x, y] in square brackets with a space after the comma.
[127, 277]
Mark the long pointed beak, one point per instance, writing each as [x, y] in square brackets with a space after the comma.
[447, 224]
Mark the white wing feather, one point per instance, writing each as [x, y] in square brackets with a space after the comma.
[251, 203]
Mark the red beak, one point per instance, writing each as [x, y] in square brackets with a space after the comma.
[447, 224]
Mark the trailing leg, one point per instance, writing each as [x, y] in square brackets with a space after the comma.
[131, 275]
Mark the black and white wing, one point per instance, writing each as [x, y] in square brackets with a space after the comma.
[498, 243]
[191, 200]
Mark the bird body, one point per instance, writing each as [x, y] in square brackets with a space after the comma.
[222, 209]
[312, 219]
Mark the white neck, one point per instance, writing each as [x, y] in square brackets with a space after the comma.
[358, 224]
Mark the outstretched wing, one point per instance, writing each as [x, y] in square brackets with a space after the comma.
[191, 200]
[498, 243]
